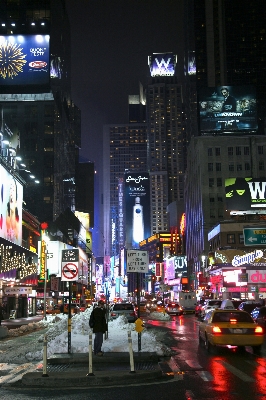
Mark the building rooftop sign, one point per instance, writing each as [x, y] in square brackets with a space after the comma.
[247, 258]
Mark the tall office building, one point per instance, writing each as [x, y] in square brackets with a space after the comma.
[125, 150]
[226, 40]
[37, 112]
[166, 138]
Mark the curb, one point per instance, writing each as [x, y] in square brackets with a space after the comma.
[111, 370]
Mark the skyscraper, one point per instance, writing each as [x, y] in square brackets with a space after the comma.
[36, 103]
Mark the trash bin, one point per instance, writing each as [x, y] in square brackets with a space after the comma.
[12, 314]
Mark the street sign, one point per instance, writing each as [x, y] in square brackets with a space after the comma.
[255, 236]
[69, 272]
[137, 261]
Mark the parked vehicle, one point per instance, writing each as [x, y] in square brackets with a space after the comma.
[230, 328]
[174, 309]
[127, 309]
[198, 307]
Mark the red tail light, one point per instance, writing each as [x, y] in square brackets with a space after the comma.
[132, 314]
[258, 329]
[216, 329]
[233, 321]
[113, 314]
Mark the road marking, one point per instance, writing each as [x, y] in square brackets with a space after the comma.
[15, 371]
[244, 377]
[193, 364]
[205, 375]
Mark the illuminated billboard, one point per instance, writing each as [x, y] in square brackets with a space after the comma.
[227, 109]
[137, 207]
[245, 193]
[10, 207]
[162, 64]
[24, 60]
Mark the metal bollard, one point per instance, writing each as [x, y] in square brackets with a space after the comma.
[90, 355]
[132, 368]
[44, 369]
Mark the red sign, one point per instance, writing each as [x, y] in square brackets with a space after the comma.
[69, 272]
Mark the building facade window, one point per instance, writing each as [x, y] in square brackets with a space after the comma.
[260, 149]
[238, 151]
[230, 151]
[246, 151]
[217, 151]
[209, 151]
[218, 166]
[210, 166]
[211, 182]
[219, 182]
[261, 165]
[231, 238]
[247, 166]
[231, 167]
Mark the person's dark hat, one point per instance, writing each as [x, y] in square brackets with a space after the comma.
[100, 302]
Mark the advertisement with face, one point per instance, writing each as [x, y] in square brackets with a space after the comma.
[26, 60]
[245, 193]
[225, 109]
[10, 208]
[137, 206]
[162, 64]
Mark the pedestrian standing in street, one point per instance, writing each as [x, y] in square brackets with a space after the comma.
[99, 327]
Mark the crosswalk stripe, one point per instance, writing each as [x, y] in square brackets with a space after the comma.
[244, 377]
[15, 372]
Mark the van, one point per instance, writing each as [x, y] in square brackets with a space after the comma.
[227, 305]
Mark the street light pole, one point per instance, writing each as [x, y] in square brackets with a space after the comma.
[45, 283]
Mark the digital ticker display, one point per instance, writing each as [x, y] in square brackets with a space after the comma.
[229, 109]
[24, 60]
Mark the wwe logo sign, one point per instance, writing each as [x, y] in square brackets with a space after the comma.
[162, 66]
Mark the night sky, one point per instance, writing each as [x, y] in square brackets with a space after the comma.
[111, 41]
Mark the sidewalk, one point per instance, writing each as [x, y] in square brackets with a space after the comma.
[72, 370]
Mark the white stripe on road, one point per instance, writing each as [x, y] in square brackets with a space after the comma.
[205, 375]
[17, 372]
[244, 377]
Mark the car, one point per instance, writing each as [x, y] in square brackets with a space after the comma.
[209, 305]
[230, 328]
[160, 308]
[53, 309]
[74, 308]
[151, 305]
[174, 309]
[127, 309]
[198, 306]
[249, 306]
[259, 316]
[142, 307]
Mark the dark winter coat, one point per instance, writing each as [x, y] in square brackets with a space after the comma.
[100, 324]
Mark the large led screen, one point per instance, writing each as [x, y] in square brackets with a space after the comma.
[10, 208]
[24, 60]
[229, 109]
[162, 64]
[137, 207]
[245, 193]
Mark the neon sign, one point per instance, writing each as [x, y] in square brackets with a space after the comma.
[247, 258]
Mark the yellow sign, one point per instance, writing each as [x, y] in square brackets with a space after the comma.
[139, 325]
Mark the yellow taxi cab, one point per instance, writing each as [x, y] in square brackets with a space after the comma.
[230, 328]
[160, 308]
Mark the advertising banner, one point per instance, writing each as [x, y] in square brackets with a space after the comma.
[162, 64]
[10, 207]
[26, 60]
[137, 207]
[225, 109]
[245, 193]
